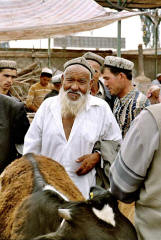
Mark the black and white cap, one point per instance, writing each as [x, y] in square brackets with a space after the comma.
[94, 57]
[80, 61]
[8, 64]
[118, 62]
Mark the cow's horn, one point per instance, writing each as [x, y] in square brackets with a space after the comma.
[64, 213]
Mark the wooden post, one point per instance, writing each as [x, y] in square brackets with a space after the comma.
[142, 82]
[140, 60]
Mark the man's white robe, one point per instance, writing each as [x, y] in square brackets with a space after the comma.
[46, 136]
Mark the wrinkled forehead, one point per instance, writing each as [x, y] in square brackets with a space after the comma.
[9, 71]
[94, 64]
[77, 70]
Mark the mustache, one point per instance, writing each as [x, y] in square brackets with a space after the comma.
[76, 92]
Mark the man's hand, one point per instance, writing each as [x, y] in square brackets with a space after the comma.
[89, 161]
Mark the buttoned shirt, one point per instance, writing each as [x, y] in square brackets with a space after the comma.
[46, 135]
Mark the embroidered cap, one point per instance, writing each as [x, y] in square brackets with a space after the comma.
[118, 62]
[158, 75]
[94, 57]
[81, 61]
[4, 64]
[47, 70]
[57, 78]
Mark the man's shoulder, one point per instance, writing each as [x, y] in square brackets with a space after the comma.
[155, 81]
[141, 99]
[9, 101]
[35, 86]
[94, 101]
[51, 100]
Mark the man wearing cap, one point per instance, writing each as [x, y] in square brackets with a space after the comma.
[135, 173]
[13, 120]
[56, 81]
[8, 73]
[117, 74]
[158, 80]
[66, 127]
[98, 89]
[38, 91]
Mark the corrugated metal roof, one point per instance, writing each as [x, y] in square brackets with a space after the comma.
[32, 19]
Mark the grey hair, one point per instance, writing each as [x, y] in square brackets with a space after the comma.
[91, 76]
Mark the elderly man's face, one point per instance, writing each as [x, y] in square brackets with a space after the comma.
[76, 81]
[7, 77]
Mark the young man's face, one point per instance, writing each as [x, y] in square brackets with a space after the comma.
[7, 77]
[44, 80]
[114, 83]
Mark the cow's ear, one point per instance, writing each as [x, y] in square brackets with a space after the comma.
[96, 190]
[65, 214]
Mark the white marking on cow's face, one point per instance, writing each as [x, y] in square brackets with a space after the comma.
[64, 213]
[49, 187]
[106, 214]
[62, 223]
[1, 177]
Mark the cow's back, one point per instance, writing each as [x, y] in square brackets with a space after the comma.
[17, 184]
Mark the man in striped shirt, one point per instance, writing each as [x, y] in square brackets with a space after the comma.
[38, 91]
[117, 74]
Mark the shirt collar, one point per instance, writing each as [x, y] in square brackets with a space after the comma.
[92, 101]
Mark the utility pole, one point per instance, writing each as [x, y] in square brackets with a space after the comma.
[49, 53]
[119, 34]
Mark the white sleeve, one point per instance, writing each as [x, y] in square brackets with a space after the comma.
[33, 138]
[111, 130]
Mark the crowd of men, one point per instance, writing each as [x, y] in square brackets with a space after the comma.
[80, 121]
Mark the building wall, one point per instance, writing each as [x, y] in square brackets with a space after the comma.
[58, 57]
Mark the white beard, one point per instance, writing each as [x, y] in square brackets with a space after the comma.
[69, 107]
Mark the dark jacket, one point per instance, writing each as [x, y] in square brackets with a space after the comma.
[13, 127]
[52, 94]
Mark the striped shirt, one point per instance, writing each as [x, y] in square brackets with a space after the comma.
[36, 94]
[128, 107]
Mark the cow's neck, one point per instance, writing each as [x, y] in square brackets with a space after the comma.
[68, 124]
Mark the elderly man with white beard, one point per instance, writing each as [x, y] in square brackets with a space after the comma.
[66, 127]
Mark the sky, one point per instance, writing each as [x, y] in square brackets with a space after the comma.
[131, 29]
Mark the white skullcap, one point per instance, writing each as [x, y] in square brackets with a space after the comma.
[47, 70]
[158, 75]
[118, 62]
[57, 78]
